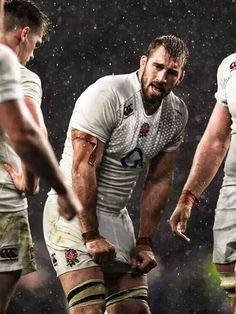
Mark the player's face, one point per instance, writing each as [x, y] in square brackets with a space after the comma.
[159, 75]
[31, 42]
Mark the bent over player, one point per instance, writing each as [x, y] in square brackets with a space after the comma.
[24, 28]
[119, 124]
[219, 137]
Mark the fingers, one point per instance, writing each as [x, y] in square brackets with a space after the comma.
[180, 233]
[101, 250]
[11, 171]
[147, 265]
[178, 222]
[143, 261]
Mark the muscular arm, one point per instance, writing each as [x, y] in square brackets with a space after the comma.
[156, 190]
[87, 155]
[31, 180]
[210, 151]
[25, 180]
[208, 157]
[28, 142]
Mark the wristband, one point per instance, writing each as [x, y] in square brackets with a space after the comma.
[90, 235]
[188, 198]
[144, 241]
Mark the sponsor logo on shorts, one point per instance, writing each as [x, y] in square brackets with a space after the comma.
[54, 260]
[9, 254]
[71, 257]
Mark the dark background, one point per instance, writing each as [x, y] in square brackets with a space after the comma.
[95, 38]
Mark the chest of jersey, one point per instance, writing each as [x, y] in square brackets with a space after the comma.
[138, 137]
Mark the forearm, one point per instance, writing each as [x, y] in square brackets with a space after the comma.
[85, 187]
[206, 163]
[38, 157]
[153, 204]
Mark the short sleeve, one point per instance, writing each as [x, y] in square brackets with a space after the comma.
[31, 84]
[180, 124]
[220, 95]
[96, 111]
[10, 88]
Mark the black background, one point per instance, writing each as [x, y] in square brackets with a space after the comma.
[95, 38]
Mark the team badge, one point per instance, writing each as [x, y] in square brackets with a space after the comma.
[144, 129]
[71, 257]
[128, 110]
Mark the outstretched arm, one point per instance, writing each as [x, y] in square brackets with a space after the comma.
[208, 157]
[155, 195]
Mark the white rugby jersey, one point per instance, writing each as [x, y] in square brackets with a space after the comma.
[10, 199]
[112, 110]
[9, 75]
[226, 95]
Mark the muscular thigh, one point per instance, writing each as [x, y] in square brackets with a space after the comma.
[84, 290]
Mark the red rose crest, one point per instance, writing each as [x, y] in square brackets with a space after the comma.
[144, 129]
[71, 256]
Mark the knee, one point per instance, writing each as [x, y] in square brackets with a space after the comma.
[89, 309]
[127, 307]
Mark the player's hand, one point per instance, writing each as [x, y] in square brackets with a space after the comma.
[69, 205]
[143, 259]
[17, 177]
[101, 250]
[29, 186]
[178, 221]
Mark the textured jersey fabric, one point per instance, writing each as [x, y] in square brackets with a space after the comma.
[112, 110]
[10, 199]
[226, 95]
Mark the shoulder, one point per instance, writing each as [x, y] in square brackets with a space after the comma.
[178, 104]
[227, 66]
[122, 86]
[29, 76]
[8, 59]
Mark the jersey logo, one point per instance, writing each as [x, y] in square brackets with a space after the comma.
[232, 66]
[128, 110]
[134, 159]
[71, 256]
[9, 254]
[144, 129]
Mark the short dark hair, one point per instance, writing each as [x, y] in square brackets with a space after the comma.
[25, 13]
[173, 45]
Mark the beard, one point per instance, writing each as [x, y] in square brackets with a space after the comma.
[153, 92]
